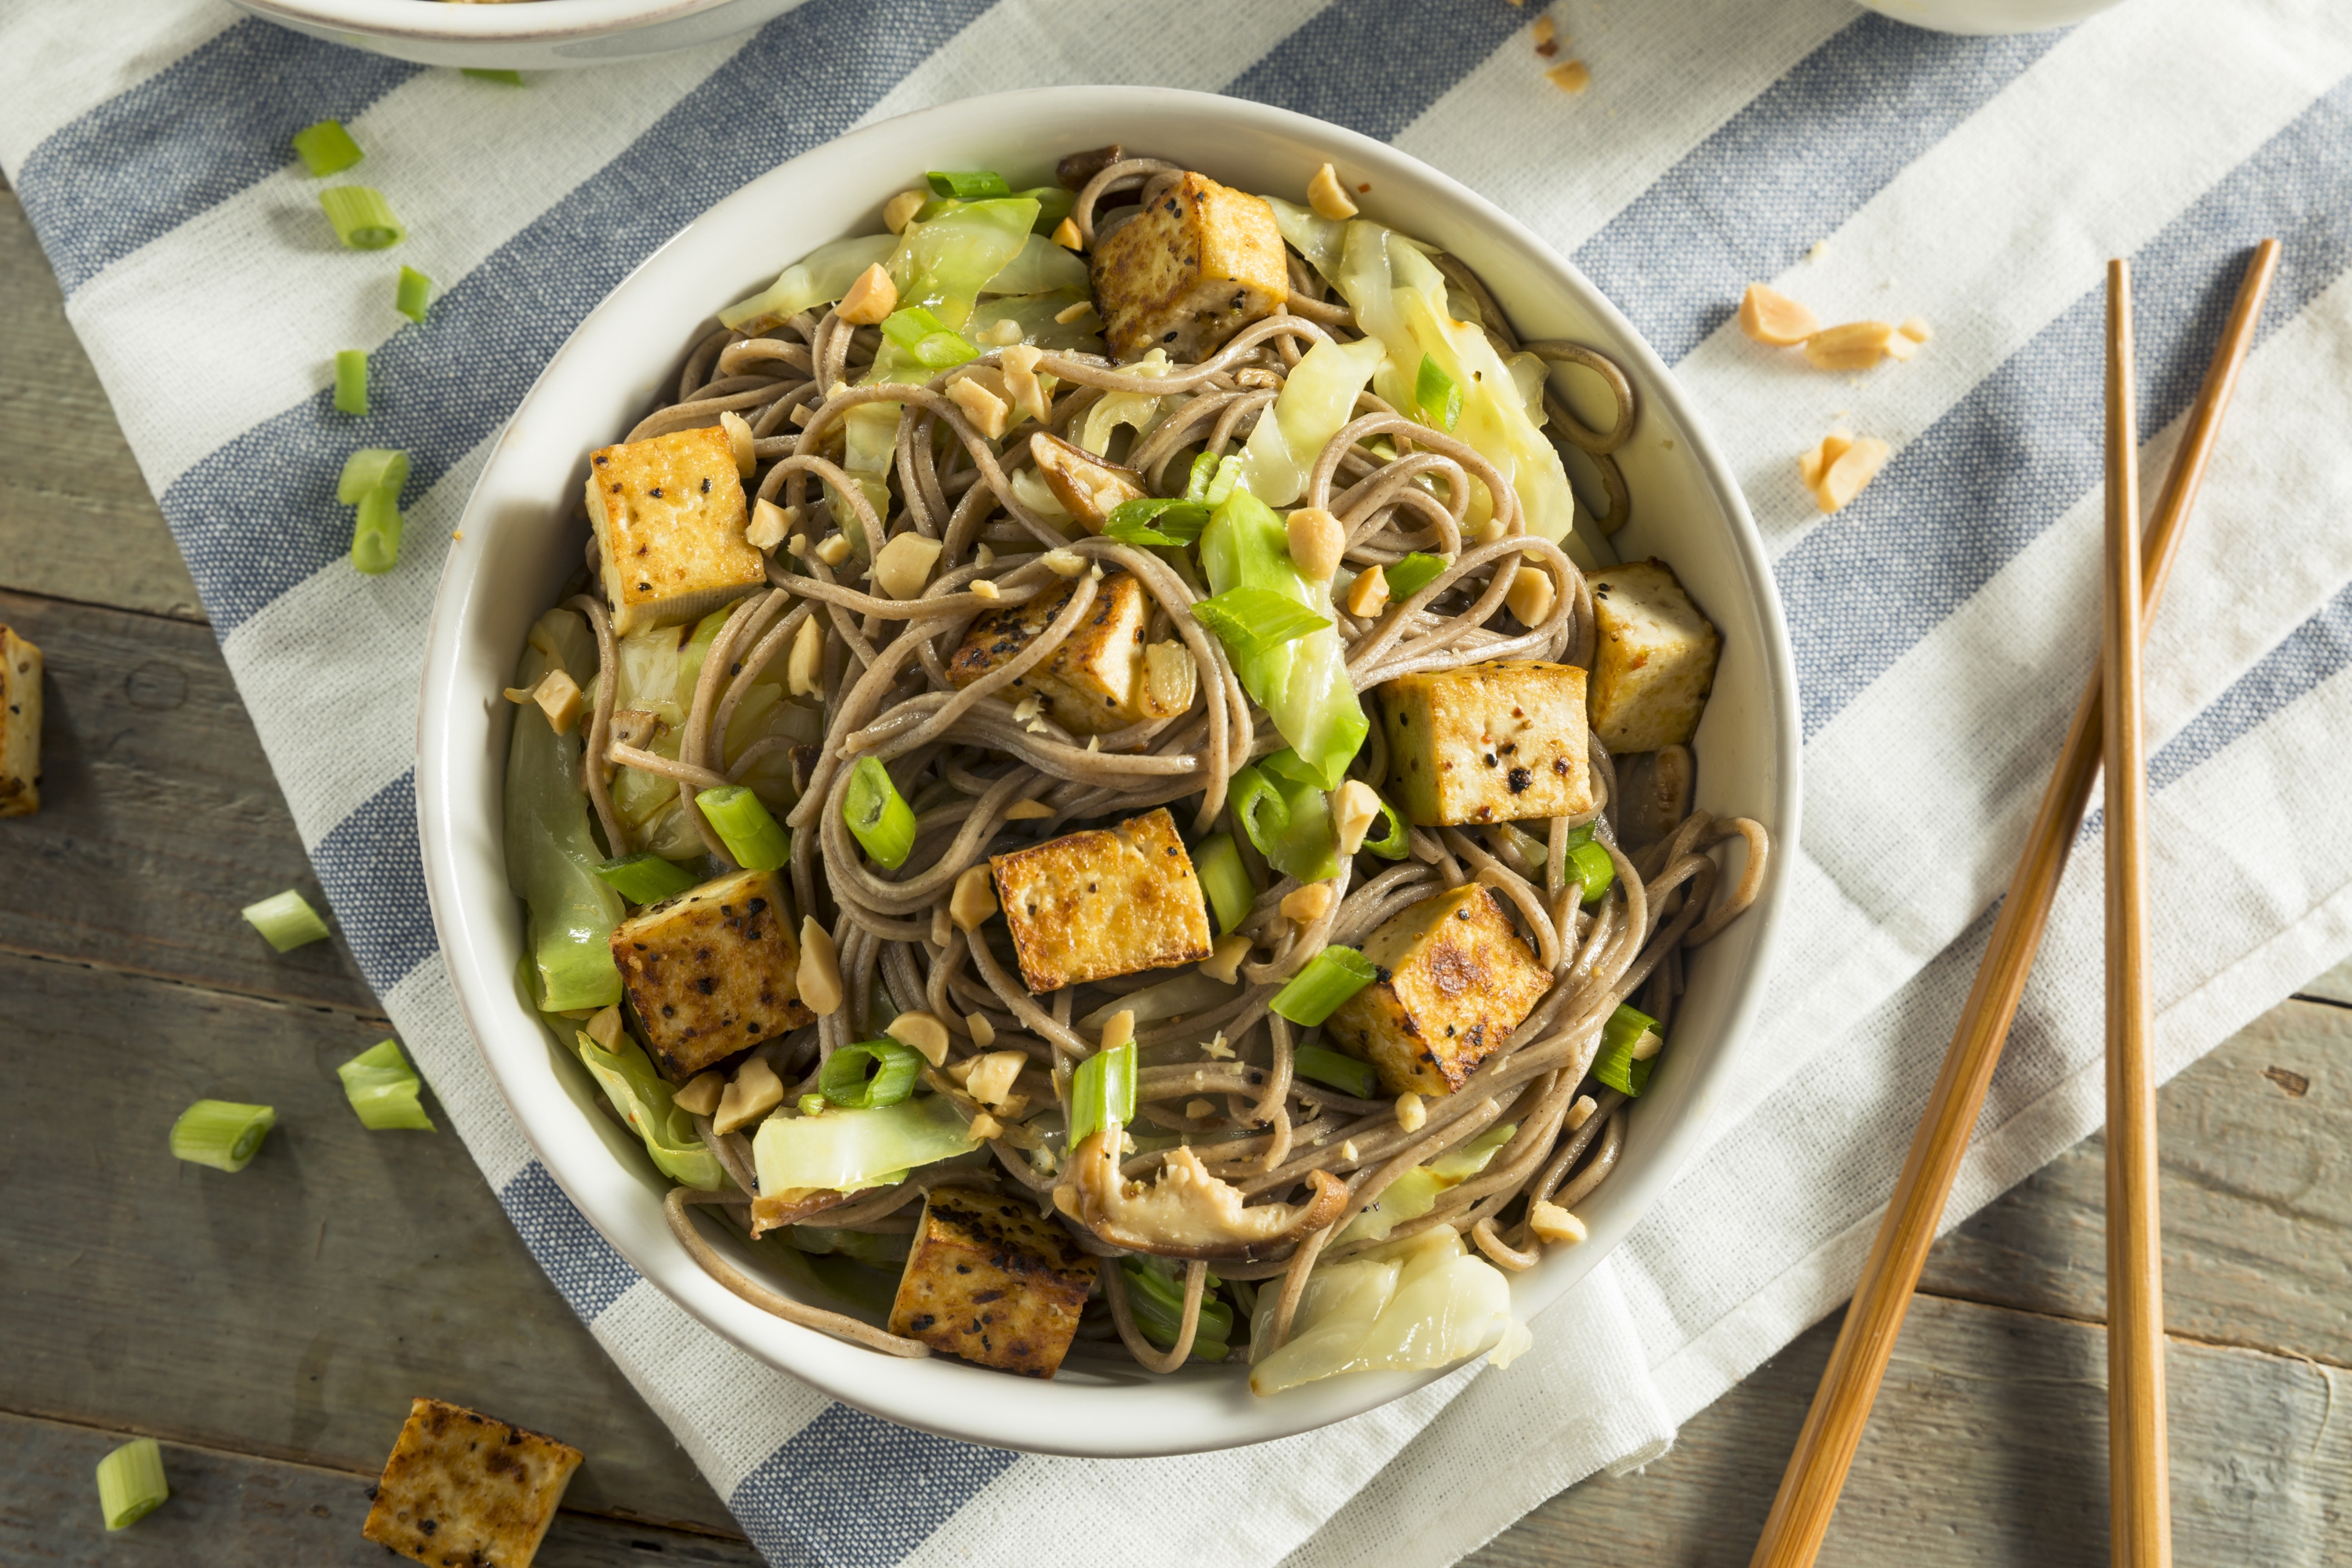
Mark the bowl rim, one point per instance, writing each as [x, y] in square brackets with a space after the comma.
[1002, 1411]
[538, 22]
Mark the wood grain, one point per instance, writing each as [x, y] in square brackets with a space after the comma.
[75, 518]
[159, 818]
[2336, 986]
[233, 1508]
[294, 1308]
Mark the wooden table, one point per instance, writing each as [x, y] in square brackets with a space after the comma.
[271, 1329]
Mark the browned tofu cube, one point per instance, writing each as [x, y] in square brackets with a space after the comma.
[669, 515]
[1488, 742]
[1103, 903]
[1091, 684]
[462, 1490]
[1197, 268]
[20, 726]
[1453, 979]
[1654, 664]
[993, 1282]
[712, 971]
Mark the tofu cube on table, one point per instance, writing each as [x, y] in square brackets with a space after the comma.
[464, 1491]
[1196, 267]
[20, 725]
[669, 514]
[1091, 684]
[1654, 664]
[1453, 978]
[1103, 903]
[991, 1280]
[712, 971]
[1501, 742]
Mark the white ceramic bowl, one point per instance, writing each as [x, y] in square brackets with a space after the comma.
[518, 548]
[1989, 15]
[540, 35]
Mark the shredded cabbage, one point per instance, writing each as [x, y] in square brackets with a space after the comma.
[1135, 411]
[1040, 266]
[842, 1150]
[1302, 684]
[1317, 398]
[658, 667]
[1416, 1192]
[645, 1101]
[551, 855]
[1425, 1302]
[820, 276]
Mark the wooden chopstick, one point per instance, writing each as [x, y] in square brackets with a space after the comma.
[2138, 1492]
[1833, 1426]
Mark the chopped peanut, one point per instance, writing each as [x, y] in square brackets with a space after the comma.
[1570, 78]
[989, 1079]
[1317, 543]
[983, 1033]
[1224, 963]
[1851, 345]
[1169, 678]
[739, 438]
[870, 298]
[820, 975]
[1199, 1109]
[986, 411]
[1069, 313]
[1027, 811]
[900, 210]
[1019, 362]
[1771, 318]
[1648, 1045]
[1065, 234]
[1816, 462]
[1064, 563]
[605, 1028]
[973, 900]
[924, 1032]
[1581, 1111]
[1308, 903]
[1119, 1029]
[985, 588]
[769, 523]
[984, 1129]
[1546, 30]
[1550, 1221]
[1916, 329]
[1843, 478]
[1327, 196]
[1410, 1111]
[755, 1091]
[1002, 335]
[834, 549]
[804, 664]
[1369, 593]
[558, 696]
[1354, 807]
[1531, 598]
[700, 1096]
[905, 564]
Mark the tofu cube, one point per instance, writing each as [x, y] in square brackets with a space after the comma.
[1488, 742]
[1654, 662]
[1103, 903]
[1091, 684]
[991, 1280]
[712, 971]
[1188, 273]
[669, 516]
[20, 726]
[463, 1490]
[1453, 978]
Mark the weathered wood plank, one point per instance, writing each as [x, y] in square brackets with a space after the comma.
[159, 817]
[2257, 1194]
[294, 1308]
[75, 518]
[233, 1508]
[1986, 1449]
[2336, 986]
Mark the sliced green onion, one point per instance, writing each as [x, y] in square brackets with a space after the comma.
[877, 815]
[413, 295]
[1157, 1304]
[1394, 844]
[844, 1079]
[1589, 864]
[968, 185]
[1331, 977]
[1345, 1073]
[351, 381]
[1196, 484]
[757, 840]
[1440, 398]
[1102, 1094]
[812, 1105]
[1221, 482]
[1615, 1065]
[221, 1133]
[375, 534]
[1164, 523]
[383, 1087]
[645, 877]
[372, 469]
[362, 218]
[1259, 807]
[932, 343]
[326, 148]
[1412, 574]
[1581, 833]
[131, 1484]
[1252, 622]
[1217, 861]
[286, 921]
[504, 79]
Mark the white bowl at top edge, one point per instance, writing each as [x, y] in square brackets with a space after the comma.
[520, 544]
[539, 35]
[1989, 16]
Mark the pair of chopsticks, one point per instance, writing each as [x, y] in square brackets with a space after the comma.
[2106, 721]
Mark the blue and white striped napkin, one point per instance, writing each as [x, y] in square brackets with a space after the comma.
[1942, 623]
